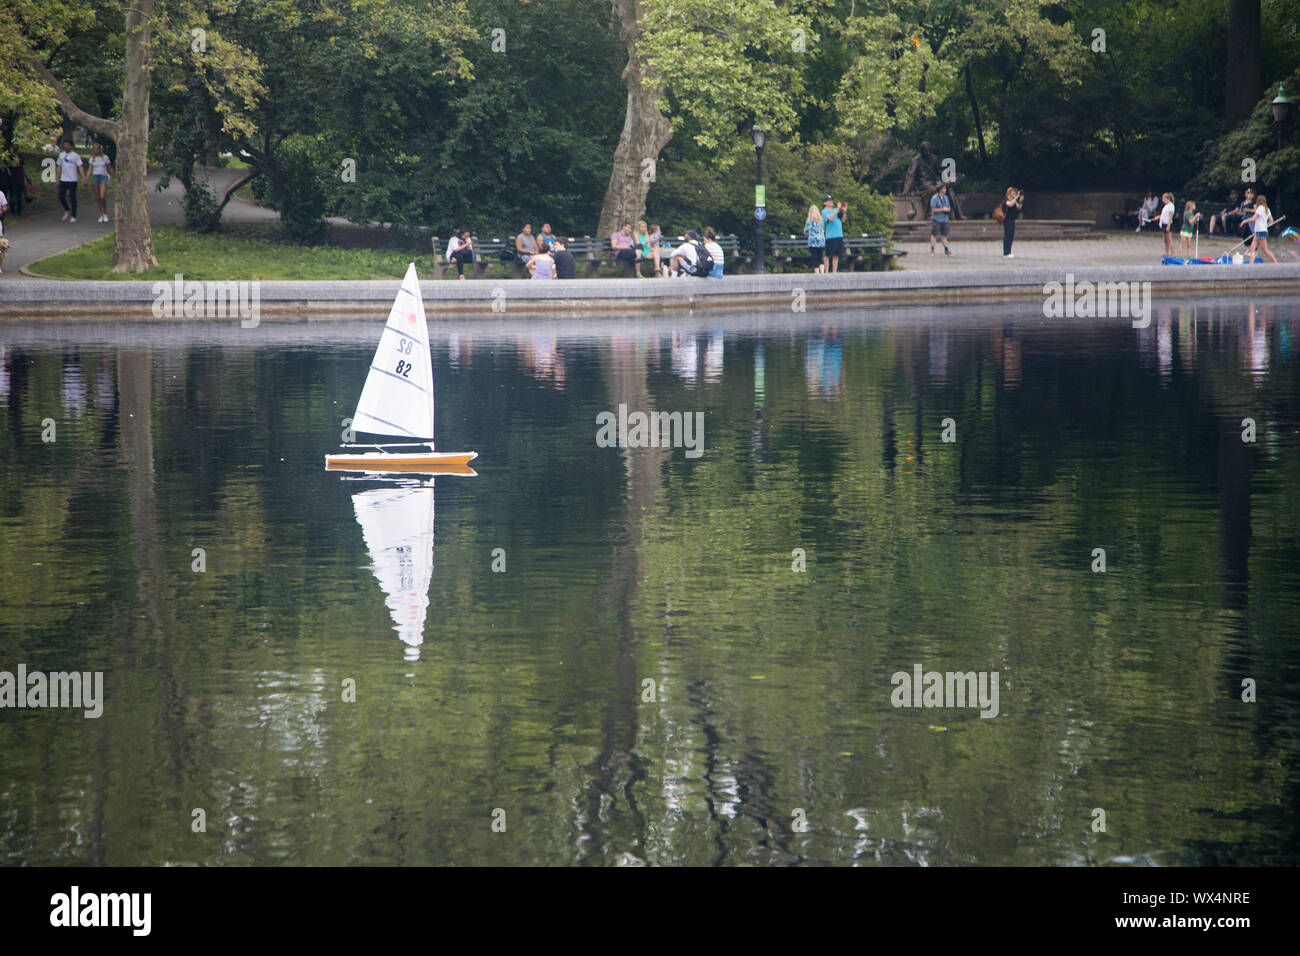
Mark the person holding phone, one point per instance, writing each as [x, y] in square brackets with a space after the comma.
[833, 217]
[1011, 207]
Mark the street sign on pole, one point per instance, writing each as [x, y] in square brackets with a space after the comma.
[760, 198]
[760, 213]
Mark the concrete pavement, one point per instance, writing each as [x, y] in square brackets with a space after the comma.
[41, 234]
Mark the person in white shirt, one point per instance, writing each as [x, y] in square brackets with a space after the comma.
[1167, 222]
[715, 252]
[70, 173]
[684, 256]
[99, 170]
[1259, 227]
[460, 250]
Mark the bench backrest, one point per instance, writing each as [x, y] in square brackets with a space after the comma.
[863, 241]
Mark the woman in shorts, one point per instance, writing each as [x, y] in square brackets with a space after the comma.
[99, 170]
[1262, 220]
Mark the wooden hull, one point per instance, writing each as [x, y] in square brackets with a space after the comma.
[420, 463]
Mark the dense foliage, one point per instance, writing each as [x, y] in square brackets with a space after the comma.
[434, 116]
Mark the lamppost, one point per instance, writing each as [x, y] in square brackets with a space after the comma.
[1281, 105]
[760, 200]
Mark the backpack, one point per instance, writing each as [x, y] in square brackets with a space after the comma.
[703, 261]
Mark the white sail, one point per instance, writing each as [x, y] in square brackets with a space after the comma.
[398, 395]
[397, 525]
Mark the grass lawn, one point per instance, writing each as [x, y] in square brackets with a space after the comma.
[245, 252]
[251, 251]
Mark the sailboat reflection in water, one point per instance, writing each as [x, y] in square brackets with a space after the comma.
[397, 525]
[397, 520]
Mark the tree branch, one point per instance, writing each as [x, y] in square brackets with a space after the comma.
[230, 193]
[75, 113]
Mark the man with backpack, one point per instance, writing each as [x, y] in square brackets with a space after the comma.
[692, 258]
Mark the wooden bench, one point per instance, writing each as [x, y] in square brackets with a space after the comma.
[592, 250]
[857, 249]
[486, 251]
[1128, 219]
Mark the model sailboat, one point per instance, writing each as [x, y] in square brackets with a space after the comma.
[397, 398]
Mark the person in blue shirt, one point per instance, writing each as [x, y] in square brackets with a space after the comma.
[833, 216]
[940, 210]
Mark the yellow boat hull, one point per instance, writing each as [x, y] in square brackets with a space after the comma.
[421, 463]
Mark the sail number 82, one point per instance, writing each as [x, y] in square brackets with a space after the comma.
[404, 346]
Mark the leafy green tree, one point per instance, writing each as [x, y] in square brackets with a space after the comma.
[693, 194]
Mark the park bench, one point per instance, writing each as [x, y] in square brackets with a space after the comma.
[486, 251]
[593, 250]
[857, 249]
[1128, 219]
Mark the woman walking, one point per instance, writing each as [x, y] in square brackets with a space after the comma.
[100, 166]
[815, 229]
[1262, 220]
[1011, 207]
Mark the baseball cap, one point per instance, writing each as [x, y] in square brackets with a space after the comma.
[824, 198]
[692, 234]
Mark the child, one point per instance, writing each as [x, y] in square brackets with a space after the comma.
[715, 252]
[1167, 222]
[1190, 218]
[1261, 221]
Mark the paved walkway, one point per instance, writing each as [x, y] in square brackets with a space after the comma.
[39, 234]
[1118, 248]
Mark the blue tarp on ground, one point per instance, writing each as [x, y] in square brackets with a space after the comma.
[1221, 261]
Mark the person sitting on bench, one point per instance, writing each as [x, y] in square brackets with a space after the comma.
[1229, 218]
[460, 250]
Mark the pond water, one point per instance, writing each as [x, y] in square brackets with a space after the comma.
[645, 655]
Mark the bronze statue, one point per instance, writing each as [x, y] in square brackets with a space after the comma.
[925, 171]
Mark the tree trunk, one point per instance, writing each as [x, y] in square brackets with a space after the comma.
[975, 112]
[1242, 71]
[646, 131]
[133, 247]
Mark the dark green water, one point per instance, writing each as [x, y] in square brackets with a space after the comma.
[224, 689]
